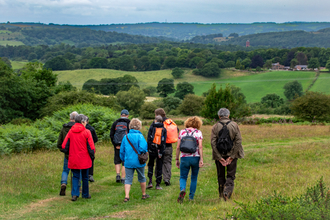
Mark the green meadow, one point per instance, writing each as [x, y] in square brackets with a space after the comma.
[282, 158]
[322, 84]
[10, 42]
[18, 64]
[253, 85]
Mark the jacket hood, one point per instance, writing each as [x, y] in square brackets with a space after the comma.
[158, 125]
[70, 124]
[77, 128]
[123, 120]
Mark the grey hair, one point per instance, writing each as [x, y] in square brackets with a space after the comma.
[73, 115]
[223, 112]
[135, 124]
[159, 118]
[80, 118]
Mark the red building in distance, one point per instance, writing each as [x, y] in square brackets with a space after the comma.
[247, 43]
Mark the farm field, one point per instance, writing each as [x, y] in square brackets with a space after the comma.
[322, 84]
[10, 43]
[256, 86]
[18, 64]
[282, 158]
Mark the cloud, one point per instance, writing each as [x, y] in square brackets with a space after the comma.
[133, 11]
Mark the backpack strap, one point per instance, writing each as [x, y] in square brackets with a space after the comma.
[132, 145]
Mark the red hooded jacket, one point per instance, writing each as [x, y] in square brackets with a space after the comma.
[80, 146]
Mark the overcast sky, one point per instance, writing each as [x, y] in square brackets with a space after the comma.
[136, 11]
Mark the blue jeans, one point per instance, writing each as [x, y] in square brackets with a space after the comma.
[185, 165]
[65, 174]
[130, 173]
[76, 181]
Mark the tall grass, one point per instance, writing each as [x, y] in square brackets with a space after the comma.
[286, 159]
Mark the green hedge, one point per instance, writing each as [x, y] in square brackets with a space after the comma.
[43, 134]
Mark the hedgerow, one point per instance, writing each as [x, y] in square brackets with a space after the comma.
[43, 133]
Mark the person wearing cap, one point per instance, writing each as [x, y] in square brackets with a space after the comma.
[229, 160]
[118, 130]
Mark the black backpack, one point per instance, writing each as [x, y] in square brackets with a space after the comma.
[188, 143]
[224, 143]
[121, 131]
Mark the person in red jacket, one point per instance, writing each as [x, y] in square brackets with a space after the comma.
[80, 146]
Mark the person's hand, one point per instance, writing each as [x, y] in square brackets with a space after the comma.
[229, 160]
[201, 164]
[223, 162]
[118, 147]
[177, 163]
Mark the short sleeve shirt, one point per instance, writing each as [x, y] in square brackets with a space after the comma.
[197, 134]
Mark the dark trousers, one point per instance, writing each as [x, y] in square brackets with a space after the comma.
[226, 185]
[91, 170]
[158, 168]
[76, 180]
[167, 162]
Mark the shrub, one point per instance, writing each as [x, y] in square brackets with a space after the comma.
[21, 121]
[229, 98]
[177, 72]
[272, 100]
[311, 205]
[43, 134]
[148, 110]
[293, 89]
[64, 99]
[312, 106]
[183, 89]
[191, 105]
[132, 99]
[171, 103]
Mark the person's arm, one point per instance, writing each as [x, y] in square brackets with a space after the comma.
[95, 139]
[66, 143]
[112, 132]
[177, 155]
[60, 140]
[200, 145]
[237, 151]
[149, 134]
[122, 149]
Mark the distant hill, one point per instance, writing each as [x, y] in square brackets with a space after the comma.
[186, 31]
[39, 34]
[288, 39]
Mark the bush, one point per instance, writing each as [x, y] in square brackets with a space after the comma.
[312, 106]
[64, 99]
[171, 103]
[21, 121]
[132, 100]
[177, 72]
[230, 98]
[272, 100]
[183, 89]
[191, 105]
[43, 134]
[311, 205]
[293, 89]
[148, 110]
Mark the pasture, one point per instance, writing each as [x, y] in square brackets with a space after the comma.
[253, 85]
[282, 158]
[322, 84]
[10, 42]
[18, 64]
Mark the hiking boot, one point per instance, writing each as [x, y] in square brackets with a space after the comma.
[63, 188]
[91, 179]
[221, 188]
[123, 181]
[145, 196]
[158, 187]
[118, 179]
[74, 198]
[181, 196]
[167, 183]
[226, 195]
[89, 197]
[149, 186]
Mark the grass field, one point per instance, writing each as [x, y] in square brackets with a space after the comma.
[322, 84]
[256, 86]
[253, 85]
[10, 42]
[18, 64]
[282, 158]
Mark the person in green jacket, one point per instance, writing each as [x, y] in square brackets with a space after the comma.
[64, 131]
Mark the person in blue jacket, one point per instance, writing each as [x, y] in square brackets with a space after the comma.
[130, 158]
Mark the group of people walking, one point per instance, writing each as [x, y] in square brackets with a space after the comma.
[132, 152]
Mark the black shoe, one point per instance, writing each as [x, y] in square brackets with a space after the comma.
[74, 198]
[89, 197]
[118, 179]
[167, 183]
[91, 179]
[63, 188]
[123, 181]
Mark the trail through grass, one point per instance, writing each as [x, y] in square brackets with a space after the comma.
[284, 158]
